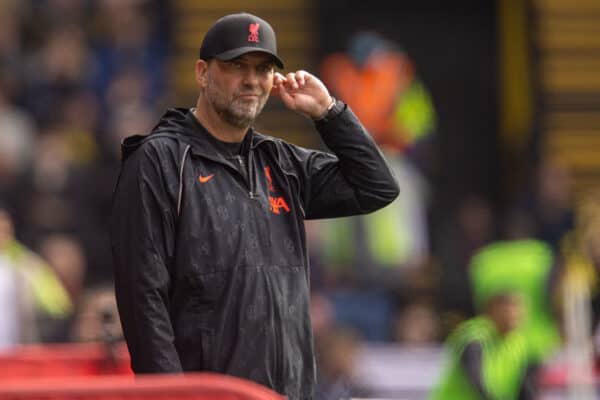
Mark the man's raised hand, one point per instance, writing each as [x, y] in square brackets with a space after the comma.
[302, 92]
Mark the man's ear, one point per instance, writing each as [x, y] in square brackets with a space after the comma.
[201, 73]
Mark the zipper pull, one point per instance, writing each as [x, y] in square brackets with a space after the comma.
[240, 160]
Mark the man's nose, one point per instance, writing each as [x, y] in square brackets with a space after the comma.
[250, 76]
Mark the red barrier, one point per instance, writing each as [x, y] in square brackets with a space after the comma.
[557, 375]
[94, 371]
[198, 386]
[61, 360]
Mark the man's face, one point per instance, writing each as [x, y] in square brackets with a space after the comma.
[507, 311]
[238, 89]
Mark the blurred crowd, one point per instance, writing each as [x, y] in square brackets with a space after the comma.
[76, 76]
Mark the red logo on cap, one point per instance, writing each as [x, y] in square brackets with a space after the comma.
[253, 29]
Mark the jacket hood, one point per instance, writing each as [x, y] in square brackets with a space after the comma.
[173, 122]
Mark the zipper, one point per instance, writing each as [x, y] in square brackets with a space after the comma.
[227, 162]
[251, 173]
[247, 168]
[240, 160]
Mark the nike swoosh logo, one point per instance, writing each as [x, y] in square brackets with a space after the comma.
[204, 179]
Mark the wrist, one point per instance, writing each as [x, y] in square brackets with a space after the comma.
[333, 112]
[324, 113]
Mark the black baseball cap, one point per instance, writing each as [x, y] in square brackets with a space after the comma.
[237, 34]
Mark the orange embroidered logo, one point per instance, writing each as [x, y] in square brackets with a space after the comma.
[275, 203]
[204, 179]
[269, 179]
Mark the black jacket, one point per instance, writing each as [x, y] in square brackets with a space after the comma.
[211, 264]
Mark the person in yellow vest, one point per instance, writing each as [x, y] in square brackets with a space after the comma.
[495, 354]
[487, 357]
[42, 300]
[371, 261]
[527, 265]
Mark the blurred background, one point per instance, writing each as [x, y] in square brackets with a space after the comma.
[488, 112]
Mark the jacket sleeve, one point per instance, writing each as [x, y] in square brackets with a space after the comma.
[354, 180]
[142, 240]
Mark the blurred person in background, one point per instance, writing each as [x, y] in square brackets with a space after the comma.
[486, 356]
[553, 208]
[46, 302]
[468, 229]
[65, 256]
[13, 50]
[579, 279]
[51, 204]
[547, 208]
[591, 249]
[17, 310]
[97, 317]
[336, 351]
[417, 324]
[530, 267]
[516, 332]
[373, 259]
[208, 220]
[17, 136]
[59, 66]
[129, 35]
[321, 314]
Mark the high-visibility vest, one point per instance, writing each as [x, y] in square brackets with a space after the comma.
[504, 362]
[48, 293]
[523, 266]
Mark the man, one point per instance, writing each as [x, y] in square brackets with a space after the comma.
[496, 265]
[493, 356]
[40, 304]
[487, 356]
[208, 217]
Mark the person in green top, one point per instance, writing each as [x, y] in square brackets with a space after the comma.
[43, 304]
[495, 355]
[529, 267]
[488, 356]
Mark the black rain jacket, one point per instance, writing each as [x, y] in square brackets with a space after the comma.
[211, 264]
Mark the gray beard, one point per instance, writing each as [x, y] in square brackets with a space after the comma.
[227, 110]
[234, 119]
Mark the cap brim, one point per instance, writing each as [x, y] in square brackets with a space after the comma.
[231, 54]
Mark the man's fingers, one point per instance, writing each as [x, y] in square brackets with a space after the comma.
[278, 78]
[285, 96]
[291, 80]
[301, 77]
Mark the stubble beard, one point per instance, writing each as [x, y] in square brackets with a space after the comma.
[236, 111]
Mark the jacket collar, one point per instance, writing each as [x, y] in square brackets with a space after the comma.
[184, 123]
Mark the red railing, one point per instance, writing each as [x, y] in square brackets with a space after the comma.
[64, 360]
[199, 386]
[99, 372]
